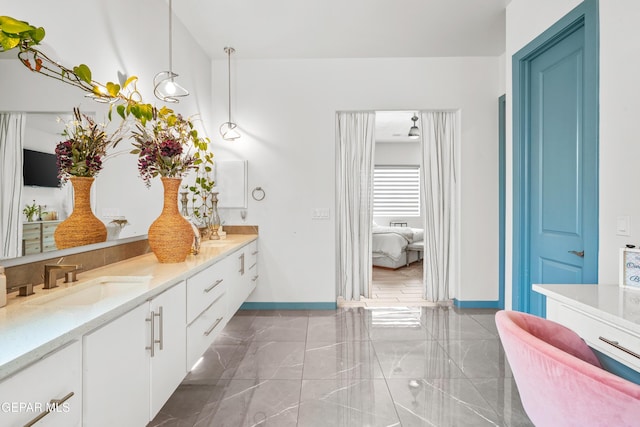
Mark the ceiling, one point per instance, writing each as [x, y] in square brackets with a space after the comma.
[300, 29]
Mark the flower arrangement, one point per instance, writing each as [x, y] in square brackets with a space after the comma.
[164, 145]
[83, 152]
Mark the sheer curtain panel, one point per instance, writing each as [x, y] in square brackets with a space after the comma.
[439, 165]
[11, 142]
[355, 145]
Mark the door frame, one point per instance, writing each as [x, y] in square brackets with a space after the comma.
[586, 15]
[502, 138]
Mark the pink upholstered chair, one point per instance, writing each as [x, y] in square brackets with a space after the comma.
[560, 380]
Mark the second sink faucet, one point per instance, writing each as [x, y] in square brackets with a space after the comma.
[50, 275]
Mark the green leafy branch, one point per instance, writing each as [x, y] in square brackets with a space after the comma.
[15, 34]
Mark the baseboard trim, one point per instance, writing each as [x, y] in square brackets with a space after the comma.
[476, 304]
[289, 306]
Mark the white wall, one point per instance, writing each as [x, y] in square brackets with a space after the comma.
[286, 109]
[619, 112]
[111, 37]
[397, 154]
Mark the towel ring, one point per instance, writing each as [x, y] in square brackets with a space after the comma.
[258, 194]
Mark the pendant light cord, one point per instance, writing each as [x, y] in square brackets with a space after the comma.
[229, 50]
[170, 39]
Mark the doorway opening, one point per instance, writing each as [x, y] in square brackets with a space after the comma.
[397, 235]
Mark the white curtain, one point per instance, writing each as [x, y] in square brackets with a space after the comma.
[355, 145]
[439, 193]
[11, 142]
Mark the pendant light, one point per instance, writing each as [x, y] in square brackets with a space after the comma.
[228, 128]
[414, 131]
[165, 87]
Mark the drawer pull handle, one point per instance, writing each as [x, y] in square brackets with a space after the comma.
[53, 403]
[254, 278]
[210, 288]
[241, 264]
[576, 253]
[619, 347]
[253, 265]
[254, 253]
[207, 332]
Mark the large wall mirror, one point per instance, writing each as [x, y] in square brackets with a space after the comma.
[118, 192]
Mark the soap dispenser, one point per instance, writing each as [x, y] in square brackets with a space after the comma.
[3, 287]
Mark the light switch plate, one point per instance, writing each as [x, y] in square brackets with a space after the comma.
[623, 226]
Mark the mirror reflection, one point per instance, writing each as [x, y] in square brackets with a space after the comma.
[34, 202]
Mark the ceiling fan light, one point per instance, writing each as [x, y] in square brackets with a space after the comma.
[414, 131]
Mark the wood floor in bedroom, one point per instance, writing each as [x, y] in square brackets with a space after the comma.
[401, 287]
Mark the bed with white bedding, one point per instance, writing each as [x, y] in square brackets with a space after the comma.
[389, 245]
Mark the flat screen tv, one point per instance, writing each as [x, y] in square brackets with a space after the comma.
[40, 169]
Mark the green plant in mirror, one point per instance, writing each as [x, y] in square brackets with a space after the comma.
[30, 210]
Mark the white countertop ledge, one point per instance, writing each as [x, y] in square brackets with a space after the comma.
[613, 303]
[30, 330]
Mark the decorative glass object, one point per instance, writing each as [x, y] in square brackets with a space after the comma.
[215, 217]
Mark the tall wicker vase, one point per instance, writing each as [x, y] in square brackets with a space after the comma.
[170, 236]
[82, 227]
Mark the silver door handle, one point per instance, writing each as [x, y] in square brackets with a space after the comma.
[160, 339]
[154, 341]
[580, 254]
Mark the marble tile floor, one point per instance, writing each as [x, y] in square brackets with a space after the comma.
[351, 367]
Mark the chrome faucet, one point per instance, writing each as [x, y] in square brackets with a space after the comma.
[50, 275]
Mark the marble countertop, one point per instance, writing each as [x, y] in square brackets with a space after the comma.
[611, 302]
[29, 329]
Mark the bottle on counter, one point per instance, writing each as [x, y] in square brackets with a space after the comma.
[3, 287]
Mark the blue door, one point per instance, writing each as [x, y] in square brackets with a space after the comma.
[558, 222]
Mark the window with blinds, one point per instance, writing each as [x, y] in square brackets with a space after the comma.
[396, 191]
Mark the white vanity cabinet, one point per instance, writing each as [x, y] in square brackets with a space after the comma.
[133, 364]
[53, 396]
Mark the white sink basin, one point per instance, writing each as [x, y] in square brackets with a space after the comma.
[93, 291]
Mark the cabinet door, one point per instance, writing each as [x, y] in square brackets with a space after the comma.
[55, 381]
[168, 363]
[245, 276]
[116, 371]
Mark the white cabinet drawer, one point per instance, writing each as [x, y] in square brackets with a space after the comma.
[202, 332]
[205, 287]
[591, 329]
[25, 395]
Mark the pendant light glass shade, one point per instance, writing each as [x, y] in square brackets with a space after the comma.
[165, 87]
[228, 129]
[414, 131]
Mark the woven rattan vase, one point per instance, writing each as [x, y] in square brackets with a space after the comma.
[82, 227]
[170, 236]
